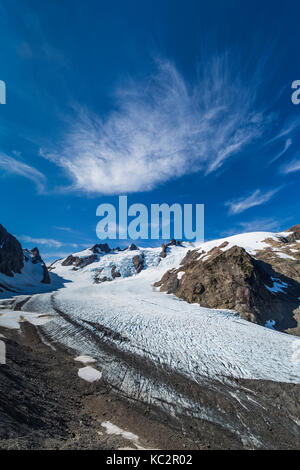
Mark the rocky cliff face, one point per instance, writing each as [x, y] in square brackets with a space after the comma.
[15, 261]
[261, 288]
[36, 259]
[11, 254]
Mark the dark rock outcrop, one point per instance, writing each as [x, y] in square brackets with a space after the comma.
[165, 246]
[163, 252]
[102, 279]
[69, 261]
[114, 272]
[138, 262]
[101, 248]
[295, 235]
[11, 254]
[36, 259]
[132, 247]
[79, 262]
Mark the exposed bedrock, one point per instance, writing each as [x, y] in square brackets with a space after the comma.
[233, 279]
[11, 254]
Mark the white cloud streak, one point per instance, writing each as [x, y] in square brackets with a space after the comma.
[256, 198]
[162, 129]
[64, 229]
[256, 225]
[14, 167]
[291, 167]
[287, 145]
[46, 241]
[41, 241]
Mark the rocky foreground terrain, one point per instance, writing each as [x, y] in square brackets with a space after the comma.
[45, 405]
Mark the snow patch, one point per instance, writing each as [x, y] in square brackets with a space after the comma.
[89, 374]
[283, 255]
[85, 359]
[2, 353]
[112, 429]
[12, 319]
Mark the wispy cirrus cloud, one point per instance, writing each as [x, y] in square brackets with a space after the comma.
[50, 242]
[290, 126]
[258, 225]
[64, 229]
[265, 224]
[291, 167]
[287, 145]
[163, 128]
[12, 166]
[256, 198]
[40, 241]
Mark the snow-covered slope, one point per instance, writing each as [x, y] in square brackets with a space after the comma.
[123, 260]
[28, 282]
[194, 341]
[104, 263]
[252, 242]
[31, 275]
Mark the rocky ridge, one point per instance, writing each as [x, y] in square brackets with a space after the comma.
[263, 288]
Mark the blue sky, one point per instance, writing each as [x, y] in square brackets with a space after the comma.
[165, 101]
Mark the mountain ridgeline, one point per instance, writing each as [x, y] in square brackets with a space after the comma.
[256, 275]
